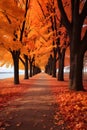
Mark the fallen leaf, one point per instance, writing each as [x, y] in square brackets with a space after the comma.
[18, 124]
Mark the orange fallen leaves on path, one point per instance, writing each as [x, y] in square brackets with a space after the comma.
[9, 91]
[72, 107]
[71, 111]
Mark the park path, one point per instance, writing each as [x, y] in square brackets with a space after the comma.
[34, 110]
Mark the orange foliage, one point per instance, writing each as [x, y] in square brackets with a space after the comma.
[38, 35]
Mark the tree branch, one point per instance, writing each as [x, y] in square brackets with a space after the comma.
[22, 60]
[72, 6]
[64, 17]
[85, 37]
[58, 50]
[57, 59]
[84, 41]
[83, 13]
[7, 18]
[41, 9]
[24, 22]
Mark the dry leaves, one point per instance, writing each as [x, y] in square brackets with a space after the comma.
[72, 108]
[9, 91]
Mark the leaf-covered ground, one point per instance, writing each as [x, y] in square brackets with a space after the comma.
[72, 111]
[9, 91]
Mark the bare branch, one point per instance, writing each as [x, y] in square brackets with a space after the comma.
[41, 8]
[22, 60]
[8, 14]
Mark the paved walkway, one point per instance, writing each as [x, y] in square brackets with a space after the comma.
[34, 110]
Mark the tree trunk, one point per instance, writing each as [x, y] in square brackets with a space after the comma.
[26, 67]
[74, 28]
[33, 69]
[76, 77]
[76, 58]
[15, 56]
[76, 52]
[51, 68]
[61, 66]
[30, 69]
[54, 64]
[51, 63]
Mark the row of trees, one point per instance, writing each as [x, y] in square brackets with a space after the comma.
[47, 32]
[74, 24]
[15, 43]
[21, 37]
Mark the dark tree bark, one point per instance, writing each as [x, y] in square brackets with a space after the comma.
[76, 75]
[26, 66]
[61, 65]
[25, 63]
[15, 56]
[76, 51]
[54, 28]
[54, 63]
[77, 48]
[21, 37]
[36, 70]
[31, 61]
[16, 53]
[31, 69]
[24, 22]
[51, 63]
